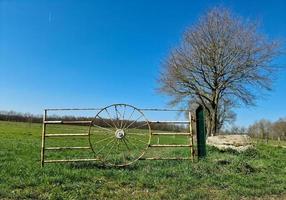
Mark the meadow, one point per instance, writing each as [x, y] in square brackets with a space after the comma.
[255, 174]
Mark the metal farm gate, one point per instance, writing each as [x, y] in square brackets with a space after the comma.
[118, 135]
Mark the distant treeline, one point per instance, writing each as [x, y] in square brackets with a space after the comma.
[263, 129]
[20, 117]
[266, 129]
[31, 118]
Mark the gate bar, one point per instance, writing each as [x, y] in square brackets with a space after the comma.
[63, 135]
[171, 134]
[191, 137]
[45, 122]
[166, 158]
[170, 145]
[67, 122]
[67, 109]
[173, 122]
[65, 148]
[73, 160]
[163, 109]
[43, 138]
[144, 109]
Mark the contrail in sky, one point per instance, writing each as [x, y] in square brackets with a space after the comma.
[50, 17]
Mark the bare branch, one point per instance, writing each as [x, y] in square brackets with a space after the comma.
[222, 58]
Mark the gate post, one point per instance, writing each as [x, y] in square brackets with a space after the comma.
[43, 138]
[201, 132]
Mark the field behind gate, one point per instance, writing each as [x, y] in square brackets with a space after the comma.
[259, 174]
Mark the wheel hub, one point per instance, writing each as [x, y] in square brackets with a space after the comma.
[119, 134]
[113, 139]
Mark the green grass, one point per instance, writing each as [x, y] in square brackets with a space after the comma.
[271, 142]
[255, 174]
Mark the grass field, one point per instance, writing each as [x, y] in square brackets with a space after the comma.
[255, 174]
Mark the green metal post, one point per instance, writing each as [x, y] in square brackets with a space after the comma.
[201, 133]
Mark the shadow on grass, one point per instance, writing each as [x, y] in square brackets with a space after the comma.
[94, 165]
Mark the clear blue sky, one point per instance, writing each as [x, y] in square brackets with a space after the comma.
[95, 53]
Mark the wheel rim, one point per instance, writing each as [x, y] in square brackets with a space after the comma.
[119, 135]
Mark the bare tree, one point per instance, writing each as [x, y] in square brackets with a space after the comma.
[261, 129]
[225, 114]
[279, 129]
[222, 58]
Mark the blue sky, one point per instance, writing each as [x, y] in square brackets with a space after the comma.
[95, 53]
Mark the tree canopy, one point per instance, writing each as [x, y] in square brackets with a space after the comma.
[223, 61]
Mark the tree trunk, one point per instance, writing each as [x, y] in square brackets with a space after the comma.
[212, 119]
[212, 123]
[214, 114]
[215, 131]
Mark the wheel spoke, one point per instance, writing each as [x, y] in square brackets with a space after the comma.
[102, 128]
[118, 148]
[103, 140]
[124, 159]
[105, 121]
[136, 146]
[118, 136]
[134, 122]
[132, 144]
[110, 150]
[117, 118]
[128, 118]
[118, 145]
[110, 118]
[103, 147]
[139, 134]
[126, 144]
[137, 139]
[121, 124]
[141, 125]
[139, 144]
[129, 149]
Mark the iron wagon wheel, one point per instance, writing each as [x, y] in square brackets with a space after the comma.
[119, 135]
